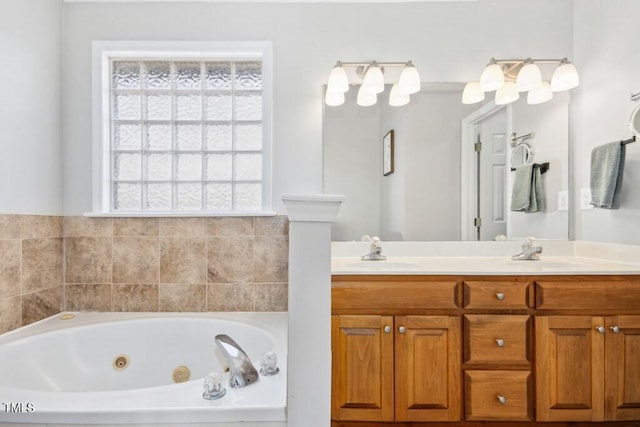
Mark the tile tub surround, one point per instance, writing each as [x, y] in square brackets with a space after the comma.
[31, 269]
[49, 264]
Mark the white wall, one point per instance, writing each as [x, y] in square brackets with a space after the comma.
[448, 41]
[607, 57]
[30, 107]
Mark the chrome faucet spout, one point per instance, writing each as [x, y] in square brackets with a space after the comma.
[529, 251]
[375, 251]
[241, 369]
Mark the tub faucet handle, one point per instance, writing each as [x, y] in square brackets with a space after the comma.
[269, 364]
[213, 388]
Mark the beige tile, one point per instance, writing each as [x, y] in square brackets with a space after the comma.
[88, 259]
[183, 260]
[182, 298]
[80, 226]
[136, 227]
[10, 227]
[39, 305]
[10, 313]
[41, 226]
[182, 227]
[10, 268]
[271, 258]
[42, 264]
[135, 297]
[230, 226]
[88, 297]
[271, 225]
[136, 260]
[230, 260]
[230, 297]
[271, 296]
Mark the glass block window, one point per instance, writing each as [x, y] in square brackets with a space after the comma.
[186, 135]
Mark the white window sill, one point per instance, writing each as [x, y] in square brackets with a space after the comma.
[177, 214]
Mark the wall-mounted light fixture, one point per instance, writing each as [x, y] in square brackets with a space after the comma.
[372, 76]
[509, 77]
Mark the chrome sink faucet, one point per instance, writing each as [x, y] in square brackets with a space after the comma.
[529, 250]
[375, 251]
[241, 369]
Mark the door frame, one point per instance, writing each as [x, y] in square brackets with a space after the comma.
[468, 168]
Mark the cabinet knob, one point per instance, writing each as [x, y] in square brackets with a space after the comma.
[500, 342]
[615, 329]
[502, 399]
[499, 296]
[402, 329]
[387, 329]
[600, 329]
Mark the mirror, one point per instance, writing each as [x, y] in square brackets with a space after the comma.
[634, 121]
[521, 155]
[432, 193]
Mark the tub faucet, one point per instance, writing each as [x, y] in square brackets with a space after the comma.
[375, 251]
[529, 250]
[242, 371]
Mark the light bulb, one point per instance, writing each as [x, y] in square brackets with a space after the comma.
[334, 99]
[409, 81]
[565, 77]
[492, 77]
[397, 98]
[540, 94]
[374, 79]
[338, 80]
[366, 97]
[507, 94]
[472, 93]
[529, 77]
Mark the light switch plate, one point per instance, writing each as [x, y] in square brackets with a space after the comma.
[585, 199]
[563, 200]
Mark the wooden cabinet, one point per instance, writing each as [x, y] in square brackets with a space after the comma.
[415, 379]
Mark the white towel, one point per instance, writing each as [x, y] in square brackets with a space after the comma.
[607, 168]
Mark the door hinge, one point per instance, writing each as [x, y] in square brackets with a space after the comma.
[477, 147]
[477, 222]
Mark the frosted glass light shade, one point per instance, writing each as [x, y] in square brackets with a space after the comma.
[338, 80]
[374, 79]
[397, 98]
[472, 93]
[492, 77]
[540, 94]
[529, 77]
[507, 94]
[409, 81]
[565, 77]
[366, 97]
[334, 99]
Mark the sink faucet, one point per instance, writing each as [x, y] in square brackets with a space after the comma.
[375, 251]
[242, 371]
[529, 250]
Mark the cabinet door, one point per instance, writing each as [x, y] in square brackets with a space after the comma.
[622, 368]
[569, 368]
[428, 372]
[362, 368]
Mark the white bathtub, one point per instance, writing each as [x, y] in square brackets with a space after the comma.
[60, 371]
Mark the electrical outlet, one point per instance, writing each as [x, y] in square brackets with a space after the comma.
[585, 199]
[563, 200]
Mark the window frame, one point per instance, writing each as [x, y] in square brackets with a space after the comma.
[102, 54]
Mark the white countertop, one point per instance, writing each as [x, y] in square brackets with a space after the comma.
[487, 258]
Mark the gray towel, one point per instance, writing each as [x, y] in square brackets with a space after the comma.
[607, 168]
[527, 193]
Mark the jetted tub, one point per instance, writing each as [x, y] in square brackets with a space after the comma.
[121, 368]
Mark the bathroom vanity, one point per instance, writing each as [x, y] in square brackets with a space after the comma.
[463, 341]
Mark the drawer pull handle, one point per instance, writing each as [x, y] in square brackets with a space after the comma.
[500, 342]
[600, 329]
[615, 329]
[387, 329]
[502, 399]
[402, 329]
[499, 296]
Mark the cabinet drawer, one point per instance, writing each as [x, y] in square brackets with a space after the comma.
[497, 395]
[605, 294]
[497, 339]
[496, 295]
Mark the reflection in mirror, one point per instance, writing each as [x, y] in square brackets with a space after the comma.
[421, 199]
[634, 121]
[521, 154]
